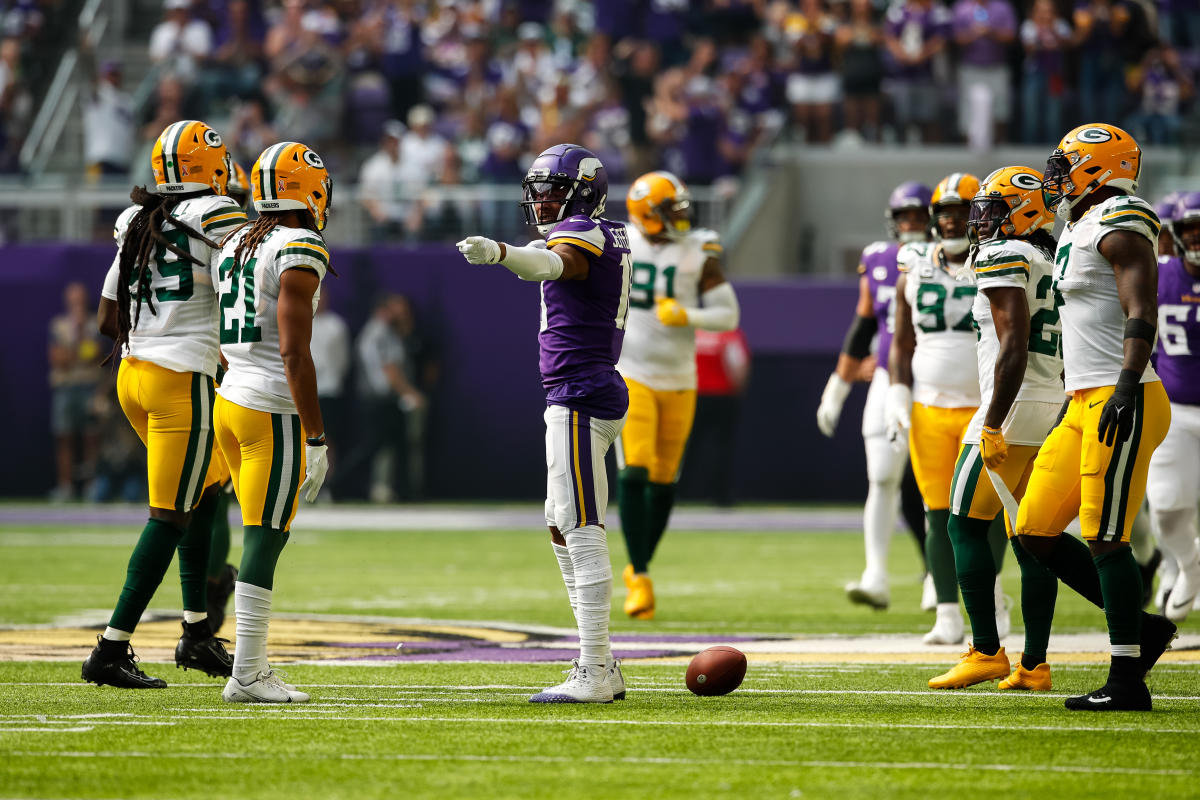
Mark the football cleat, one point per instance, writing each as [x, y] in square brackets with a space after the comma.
[639, 602]
[1183, 594]
[219, 591]
[973, 667]
[118, 669]
[585, 683]
[1030, 680]
[267, 687]
[1157, 634]
[865, 594]
[616, 679]
[1113, 697]
[928, 593]
[207, 655]
[627, 576]
[948, 627]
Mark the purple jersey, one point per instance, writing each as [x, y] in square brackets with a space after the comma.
[914, 26]
[1178, 361]
[583, 322]
[878, 264]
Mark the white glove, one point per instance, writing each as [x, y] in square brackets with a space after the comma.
[479, 250]
[316, 464]
[898, 414]
[832, 400]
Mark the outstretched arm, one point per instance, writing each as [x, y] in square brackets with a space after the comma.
[560, 262]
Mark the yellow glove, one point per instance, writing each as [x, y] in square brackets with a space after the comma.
[670, 313]
[993, 447]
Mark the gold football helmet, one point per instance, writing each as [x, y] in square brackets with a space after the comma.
[190, 157]
[660, 204]
[955, 189]
[291, 176]
[1009, 203]
[1091, 156]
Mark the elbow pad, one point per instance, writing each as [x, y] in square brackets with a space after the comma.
[721, 311]
[858, 339]
[532, 263]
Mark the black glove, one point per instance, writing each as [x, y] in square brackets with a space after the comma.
[1116, 419]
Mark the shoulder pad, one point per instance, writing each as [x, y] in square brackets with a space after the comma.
[1000, 258]
[580, 231]
[1127, 212]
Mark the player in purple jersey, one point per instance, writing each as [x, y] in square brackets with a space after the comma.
[584, 268]
[1165, 209]
[907, 218]
[1173, 483]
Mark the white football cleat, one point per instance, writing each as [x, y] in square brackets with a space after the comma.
[1003, 617]
[948, 628]
[616, 679]
[1183, 594]
[928, 594]
[267, 687]
[866, 592]
[585, 683]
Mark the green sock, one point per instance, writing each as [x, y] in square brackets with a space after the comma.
[660, 499]
[976, 568]
[939, 554]
[1121, 584]
[635, 516]
[997, 537]
[1039, 590]
[1071, 561]
[193, 554]
[218, 553]
[260, 553]
[147, 566]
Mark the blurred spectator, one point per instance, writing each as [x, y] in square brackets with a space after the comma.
[587, 81]
[108, 118]
[1179, 23]
[533, 65]
[400, 58]
[915, 34]
[236, 68]
[386, 395]
[16, 104]
[171, 102]
[639, 67]
[1162, 83]
[472, 145]
[1046, 38]
[983, 31]
[306, 87]
[689, 126]
[75, 353]
[250, 133]
[181, 42]
[859, 42]
[607, 133]
[722, 372]
[331, 354]
[424, 149]
[389, 186]
[812, 88]
[1099, 26]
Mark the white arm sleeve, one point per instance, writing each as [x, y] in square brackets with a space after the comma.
[111, 278]
[721, 311]
[532, 263]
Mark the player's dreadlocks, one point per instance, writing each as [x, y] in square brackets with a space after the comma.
[1044, 241]
[142, 237]
[259, 230]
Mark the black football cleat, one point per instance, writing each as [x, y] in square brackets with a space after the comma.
[116, 667]
[218, 596]
[1148, 570]
[206, 654]
[1157, 634]
[1133, 696]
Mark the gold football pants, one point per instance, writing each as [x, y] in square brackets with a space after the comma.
[933, 442]
[266, 458]
[656, 430]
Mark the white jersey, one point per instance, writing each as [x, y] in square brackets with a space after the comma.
[181, 333]
[660, 356]
[249, 295]
[1092, 319]
[944, 368]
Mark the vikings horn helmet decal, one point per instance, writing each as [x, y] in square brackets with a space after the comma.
[566, 180]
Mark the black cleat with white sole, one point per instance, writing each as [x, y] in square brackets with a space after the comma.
[1157, 634]
[205, 653]
[115, 664]
[1133, 696]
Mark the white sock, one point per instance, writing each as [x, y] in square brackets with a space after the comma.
[1177, 535]
[568, 571]
[252, 605]
[194, 616]
[114, 635]
[588, 548]
[1141, 538]
[879, 522]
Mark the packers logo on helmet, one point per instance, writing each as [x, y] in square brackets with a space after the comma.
[1009, 203]
[660, 204]
[290, 176]
[190, 157]
[1091, 156]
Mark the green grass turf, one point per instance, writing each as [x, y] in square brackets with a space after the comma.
[465, 730]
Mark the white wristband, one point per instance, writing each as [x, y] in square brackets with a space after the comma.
[533, 264]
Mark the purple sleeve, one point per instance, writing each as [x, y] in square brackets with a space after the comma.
[1006, 18]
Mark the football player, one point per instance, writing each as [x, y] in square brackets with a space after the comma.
[158, 304]
[584, 270]
[1165, 209]
[1173, 482]
[932, 362]
[907, 217]
[267, 417]
[1019, 355]
[1094, 462]
[676, 269]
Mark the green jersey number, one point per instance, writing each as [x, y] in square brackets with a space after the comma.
[1062, 257]
[176, 268]
[240, 280]
[931, 301]
[1047, 343]
[641, 287]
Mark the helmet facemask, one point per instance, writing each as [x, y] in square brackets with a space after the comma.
[675, 214]
[953, 245]
[987, 220]
[546, 200]
[1186, 232]
[919, 233]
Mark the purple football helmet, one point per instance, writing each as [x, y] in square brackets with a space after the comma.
[564, 181]
[1187, 214]
[1165, 208]
[905, 196]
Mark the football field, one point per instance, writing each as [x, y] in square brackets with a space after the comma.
[421, 633]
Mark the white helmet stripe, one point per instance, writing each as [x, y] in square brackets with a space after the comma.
[171, 151]
[266, 174]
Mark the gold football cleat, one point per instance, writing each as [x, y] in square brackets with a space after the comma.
[1030, 680]
[974, 667]
[639, 602]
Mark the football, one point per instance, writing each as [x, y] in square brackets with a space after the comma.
[716, 671]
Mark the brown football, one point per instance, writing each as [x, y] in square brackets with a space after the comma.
[715, 671]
